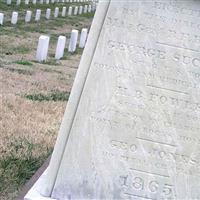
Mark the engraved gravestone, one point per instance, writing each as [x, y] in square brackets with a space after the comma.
[132, 125]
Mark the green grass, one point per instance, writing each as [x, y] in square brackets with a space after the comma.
[78, 51]
[88, 15]
[67, 55]
[19, 164]
[54, 95]
[23, 62]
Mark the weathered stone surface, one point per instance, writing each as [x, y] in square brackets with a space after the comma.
[132, 128]
[136, 132]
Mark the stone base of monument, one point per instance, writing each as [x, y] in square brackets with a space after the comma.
[34, 192]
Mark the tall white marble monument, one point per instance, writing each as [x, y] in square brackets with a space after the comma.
[131, 129]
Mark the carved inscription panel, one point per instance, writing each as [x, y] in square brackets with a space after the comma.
[136, 133]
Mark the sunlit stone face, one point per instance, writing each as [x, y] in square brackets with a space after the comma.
[136, 132]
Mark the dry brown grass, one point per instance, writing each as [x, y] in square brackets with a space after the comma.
[29, 128]
[37, 121]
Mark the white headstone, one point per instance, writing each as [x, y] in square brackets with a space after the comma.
[48, 13]
[47, 1]
[42, 49]
[69, 11]
[83, 37]
[73, 41]
[89, 8]
[34, 1]
[131, 129]
[85, 9]
[26, 2]
[9, 2]
[76, 10]
[18, 2]
[41, 1]
[56, 12]
[64, 11]
[52, 1]
[1, 18]
[14, 17]
[37, 15]
[93, 6]
[80, 10]
[60, 47]
[28, 16]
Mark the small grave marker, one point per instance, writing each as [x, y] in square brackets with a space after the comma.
[73, 41]
[42, 48]
[37, 15]
[60, 47]
[70, 11]
[1, 18]
[28, 16]
[85, 9]
[83, 37]
[80, 10]
[56, 12]
[48, 13]
[76, 10]
[64, 11]
[14, 17]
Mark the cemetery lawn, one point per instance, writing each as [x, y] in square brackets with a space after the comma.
[33, 95]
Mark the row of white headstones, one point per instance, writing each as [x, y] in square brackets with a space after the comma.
[18, 2]
[77, 10]
[43, 45]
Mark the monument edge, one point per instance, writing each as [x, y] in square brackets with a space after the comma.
[42, 189]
